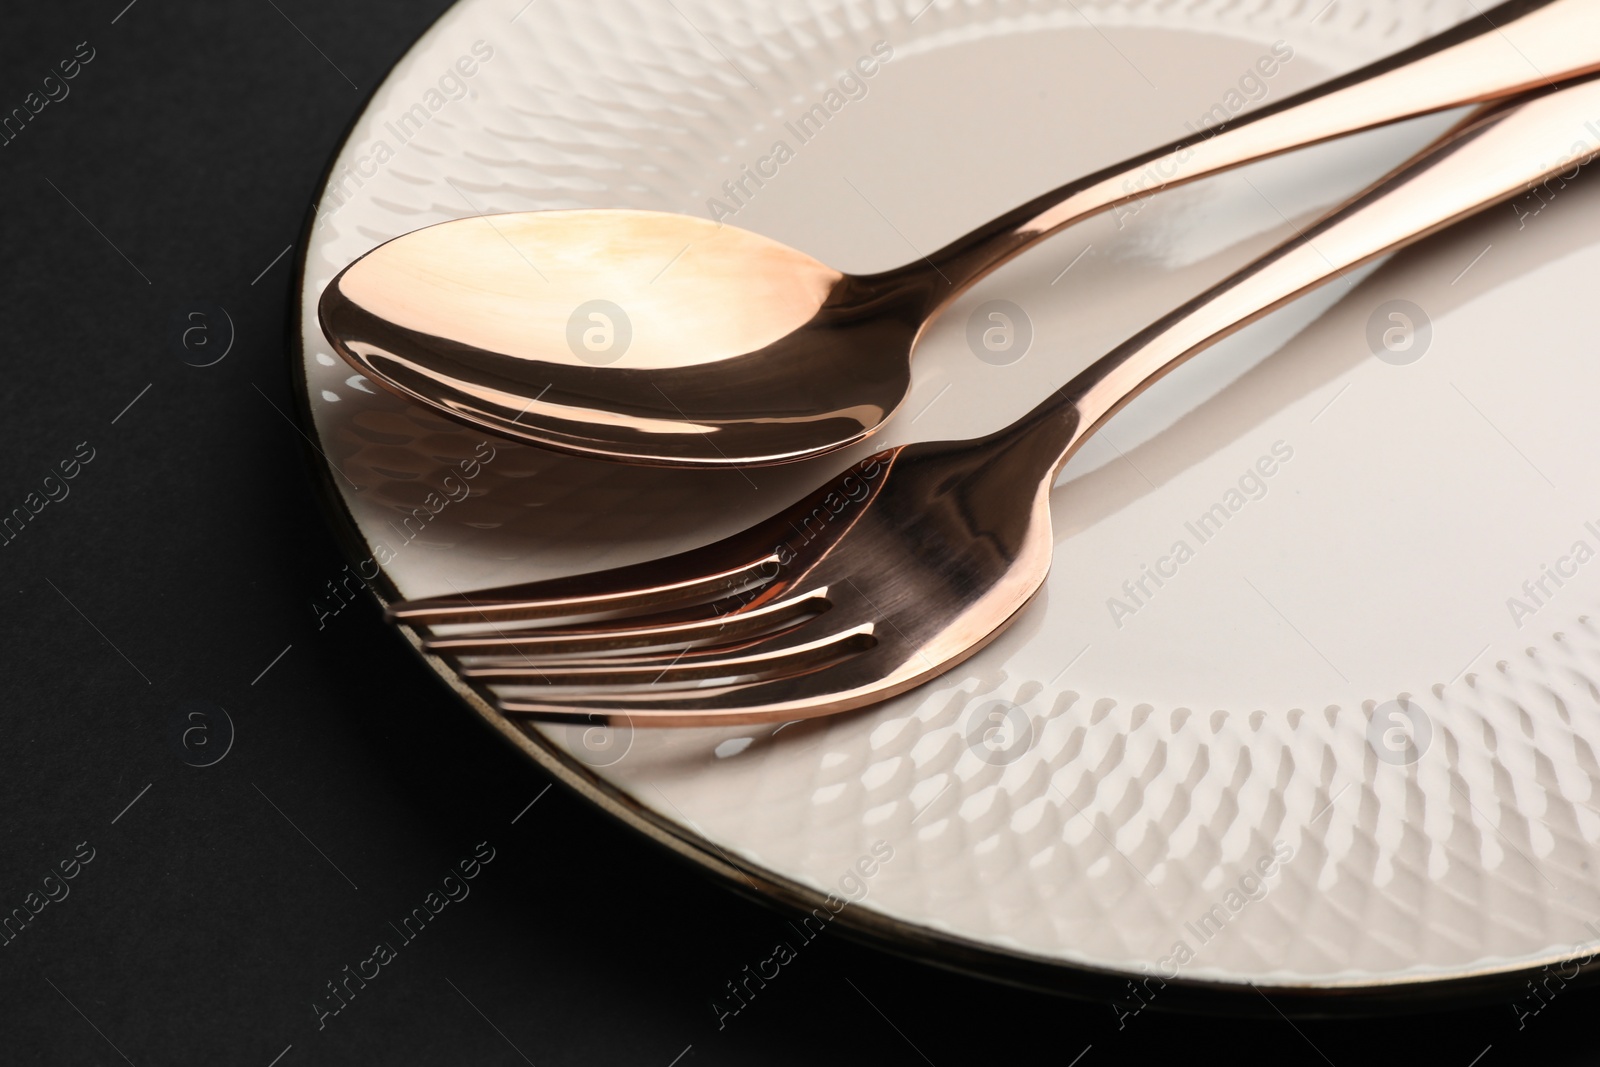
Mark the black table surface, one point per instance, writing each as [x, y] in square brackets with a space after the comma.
[168, 587]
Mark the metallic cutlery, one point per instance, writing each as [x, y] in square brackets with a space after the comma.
[916, 557]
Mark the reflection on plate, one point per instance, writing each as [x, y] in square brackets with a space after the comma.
[1309, 700]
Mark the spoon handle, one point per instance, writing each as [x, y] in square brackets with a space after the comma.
[1512, 48]
[1489, 158]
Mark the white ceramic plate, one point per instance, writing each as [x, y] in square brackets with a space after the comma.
[1338, 747]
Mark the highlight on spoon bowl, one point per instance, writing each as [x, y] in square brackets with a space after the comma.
[637, 336]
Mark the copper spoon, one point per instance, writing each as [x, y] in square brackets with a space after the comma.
[902, 566]
[663, 339]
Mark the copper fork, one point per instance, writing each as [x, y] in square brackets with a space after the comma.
[916, 557]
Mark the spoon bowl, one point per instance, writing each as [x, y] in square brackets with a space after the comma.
[638, 336]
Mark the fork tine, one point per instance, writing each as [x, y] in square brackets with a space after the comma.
[736, 704]
[680, 707]
[669, 632]
[525, 668]
[687, 666]
[590, 672]
[630, 588]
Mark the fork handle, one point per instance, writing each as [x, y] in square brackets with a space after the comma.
[1486, 160]
[1508, 50]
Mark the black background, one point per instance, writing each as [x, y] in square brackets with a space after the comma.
[186, 558]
